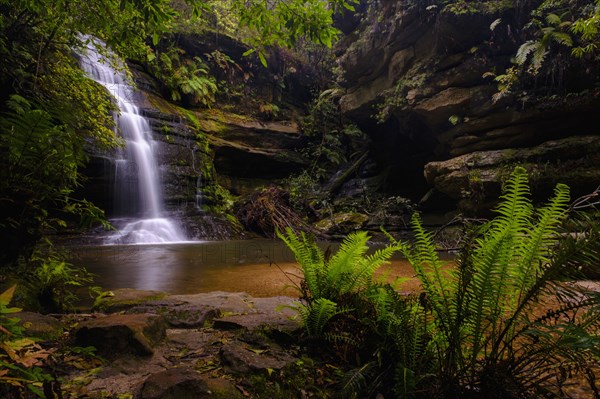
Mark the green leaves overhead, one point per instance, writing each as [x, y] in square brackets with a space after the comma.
[283, 23]
[183, 77]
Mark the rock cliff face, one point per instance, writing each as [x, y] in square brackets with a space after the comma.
[420, 80]
[208, 156]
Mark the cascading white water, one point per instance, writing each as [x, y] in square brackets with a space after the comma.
[137, 183]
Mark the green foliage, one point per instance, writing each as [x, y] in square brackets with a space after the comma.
[40, 167]
[284, 23]
[483, 332]
[348, 271]
[337, 293]
[49, 283]
[183, 76]
[460, 7]
[21, 358]
[306, 193]
[331, 136]
[556, 32]
[587, 28]
[39, 170]
[501, 323]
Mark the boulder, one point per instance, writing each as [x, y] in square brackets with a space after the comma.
[117, 334]
[178, 314]
[184, 383]
[341, 223]
[39, 325]
[241, 358]
[273, 314]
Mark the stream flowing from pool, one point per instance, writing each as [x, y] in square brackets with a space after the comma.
[137, 191]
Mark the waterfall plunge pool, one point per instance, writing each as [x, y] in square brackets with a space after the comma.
[257, 267]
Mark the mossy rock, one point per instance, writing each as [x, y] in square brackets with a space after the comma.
[40, 326]
[342, 223]
[125, 298]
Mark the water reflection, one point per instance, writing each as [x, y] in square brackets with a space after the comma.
[190, 267]
[258, 267]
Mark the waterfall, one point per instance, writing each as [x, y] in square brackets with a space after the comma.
[137, 196]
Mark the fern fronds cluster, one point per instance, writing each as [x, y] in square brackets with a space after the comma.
[481, 311]
[477, 329]
[334, 285]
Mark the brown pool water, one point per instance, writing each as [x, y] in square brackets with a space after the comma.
[258, 267]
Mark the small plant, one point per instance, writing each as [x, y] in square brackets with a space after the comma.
[331, 137]
[269, 111]
[183, 76]
[336, 285]
[50, 282]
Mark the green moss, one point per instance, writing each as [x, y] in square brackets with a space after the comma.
[107, 302]
[475, 176]
[163, 105]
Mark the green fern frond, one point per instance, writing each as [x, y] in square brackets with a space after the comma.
[317, 314]
[356, 380]
[526, 48]
[364, 268]
[351, 251]
[494, 258]
[534, 250]
[344, 338]
[309, 257]
[428, 267]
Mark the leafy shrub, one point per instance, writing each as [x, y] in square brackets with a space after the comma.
[306, 193]
[49, 283]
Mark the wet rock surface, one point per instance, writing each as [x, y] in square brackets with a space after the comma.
[184, 346]
[185, 383]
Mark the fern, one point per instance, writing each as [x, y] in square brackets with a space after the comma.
[342, 265]
[349, 270]
[535, 248]
[356, 380]
[481, 311]
[428, 267]
[311, 260]
[317, 314]
[492, 261]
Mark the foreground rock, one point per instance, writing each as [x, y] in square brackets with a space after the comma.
[183, 346]
[184, 383]
[243, 358]
[39, 325]
[114, 335]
